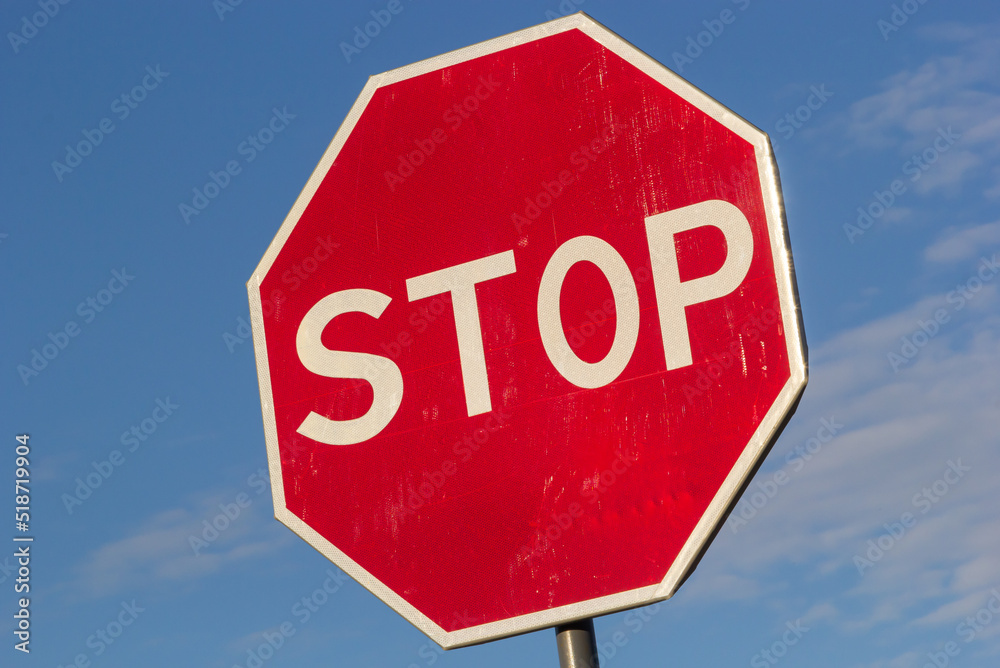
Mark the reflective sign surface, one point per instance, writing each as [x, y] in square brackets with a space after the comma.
[525, 333]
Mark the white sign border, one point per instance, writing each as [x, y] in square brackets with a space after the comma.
[760, 442]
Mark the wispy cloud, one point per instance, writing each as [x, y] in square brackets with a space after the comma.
[902, 432]
[962, 244]
[160, 549]
[959, 90]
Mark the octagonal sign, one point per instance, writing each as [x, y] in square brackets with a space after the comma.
[526, 333]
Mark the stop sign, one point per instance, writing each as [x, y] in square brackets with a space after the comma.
[526, 333]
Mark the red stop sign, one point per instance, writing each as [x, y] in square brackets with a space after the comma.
[526, 333]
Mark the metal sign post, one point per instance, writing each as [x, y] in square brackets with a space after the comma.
[577, 644]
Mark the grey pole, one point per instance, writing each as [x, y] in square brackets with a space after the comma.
[577, 644]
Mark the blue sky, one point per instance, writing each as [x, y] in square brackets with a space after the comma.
[905, 423]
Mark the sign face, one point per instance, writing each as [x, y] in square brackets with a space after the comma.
[526, 333]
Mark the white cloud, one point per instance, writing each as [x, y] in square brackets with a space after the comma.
[905, 660]
[958, 92]
[897, 214]
[961, 244]
[993, 192]
[724, 587]
[948, 172]
[902, 434]
[820, 613]
[160, 550]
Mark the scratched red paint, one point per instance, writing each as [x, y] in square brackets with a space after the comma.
[468, 551]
